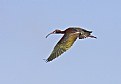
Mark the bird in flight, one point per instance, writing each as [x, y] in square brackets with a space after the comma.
[69, 37]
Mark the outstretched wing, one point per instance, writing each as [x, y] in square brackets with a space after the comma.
[63, 45]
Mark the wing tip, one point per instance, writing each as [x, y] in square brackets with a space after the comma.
[46, 60]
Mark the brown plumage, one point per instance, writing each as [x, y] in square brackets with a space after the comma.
[69, 37]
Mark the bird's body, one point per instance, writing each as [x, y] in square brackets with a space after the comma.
[69, 37]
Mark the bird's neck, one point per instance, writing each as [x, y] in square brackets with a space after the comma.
[60, 32]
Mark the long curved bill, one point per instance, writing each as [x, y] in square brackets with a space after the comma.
[50, 33]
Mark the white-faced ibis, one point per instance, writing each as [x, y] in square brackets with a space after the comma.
[69, 37]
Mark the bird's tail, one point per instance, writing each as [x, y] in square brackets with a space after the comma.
[92, 36]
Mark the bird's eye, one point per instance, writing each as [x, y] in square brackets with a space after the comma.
[54, 31]
[57, 31]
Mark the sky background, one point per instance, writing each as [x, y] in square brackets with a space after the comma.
[23, 46]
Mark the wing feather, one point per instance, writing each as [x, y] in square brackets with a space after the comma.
[63, 45]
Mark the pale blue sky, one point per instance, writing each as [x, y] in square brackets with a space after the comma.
[23, 46]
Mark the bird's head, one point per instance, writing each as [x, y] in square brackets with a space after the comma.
[57, 31]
